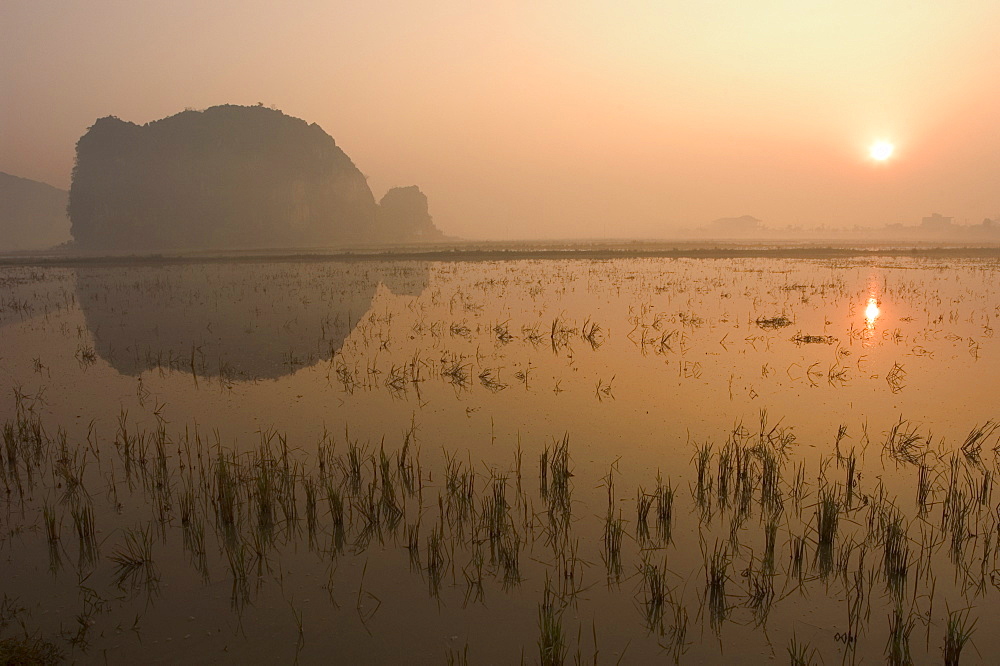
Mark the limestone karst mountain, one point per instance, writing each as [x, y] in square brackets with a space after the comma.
[228, 177]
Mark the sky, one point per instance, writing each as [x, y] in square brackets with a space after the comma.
[553, 119]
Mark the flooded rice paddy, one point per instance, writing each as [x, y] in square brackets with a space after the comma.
[538, 461]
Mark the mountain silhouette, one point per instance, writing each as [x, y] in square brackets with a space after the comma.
[32, 214]
[228, 177]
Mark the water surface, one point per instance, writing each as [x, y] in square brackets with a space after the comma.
[401, 460]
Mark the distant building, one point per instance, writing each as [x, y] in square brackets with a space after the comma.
[936, 222]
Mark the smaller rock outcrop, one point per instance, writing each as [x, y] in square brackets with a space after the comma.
[402, 216]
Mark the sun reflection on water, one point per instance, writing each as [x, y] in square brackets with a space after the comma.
[872, 312]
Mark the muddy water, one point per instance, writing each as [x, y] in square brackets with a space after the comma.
[853, 380]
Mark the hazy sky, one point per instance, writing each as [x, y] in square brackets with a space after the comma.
[553, 119]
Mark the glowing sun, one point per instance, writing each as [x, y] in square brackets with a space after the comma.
[880, 151]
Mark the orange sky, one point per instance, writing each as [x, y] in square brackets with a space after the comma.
[553, 119]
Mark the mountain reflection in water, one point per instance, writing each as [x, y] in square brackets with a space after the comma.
[223, 320]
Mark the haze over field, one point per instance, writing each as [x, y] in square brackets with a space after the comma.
[562, 120]
[462, 332]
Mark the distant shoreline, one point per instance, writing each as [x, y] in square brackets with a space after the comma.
[521, 250]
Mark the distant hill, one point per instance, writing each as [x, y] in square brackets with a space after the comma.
[32, 214]
[228, 177]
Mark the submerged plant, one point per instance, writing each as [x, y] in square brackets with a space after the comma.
[959, 632]
[800, 653]
[552, 645]
[134, 561]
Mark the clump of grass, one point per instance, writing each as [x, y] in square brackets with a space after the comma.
[413, 545]
[677, 643]
[239, 568]
[83, 522]
[655, 591]
[335, 504]
[436, 560]
[491, 381]
[897, 650]
[226, 492]
[643, 504]
[473, 572]
[827, 520]
[716, 576]
[770, 478]
[798, 550]
[972, 447]
[352, 470]
[502, 333]
[53, 529]
[556, 490]
[504, 540]
[760, 593]
[309, 486]
[560, 334]
[460, 484]
[456, 370]
[614, 530]
[904, 444]
[773, 323]
[552, 645]
[392, 512]
[193, 528]
[770, 541]
[29, 651]
[801, 339]
[798, 487]
[591, 332]
[957, 511]
[725, 467]
[923, 487]
[134, 560]
[664, 510]
[896, 553]
[559, 467]
[702, 456]
[850, 462]
[959, 631]
[896, 378]
[366, 506]
[800, 654]
[508, 556]
[458, 658]
[70, 467]
[827, 517]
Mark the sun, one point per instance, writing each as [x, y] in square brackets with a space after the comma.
[881, 150]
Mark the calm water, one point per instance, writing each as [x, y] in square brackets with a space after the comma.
[278, 461]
